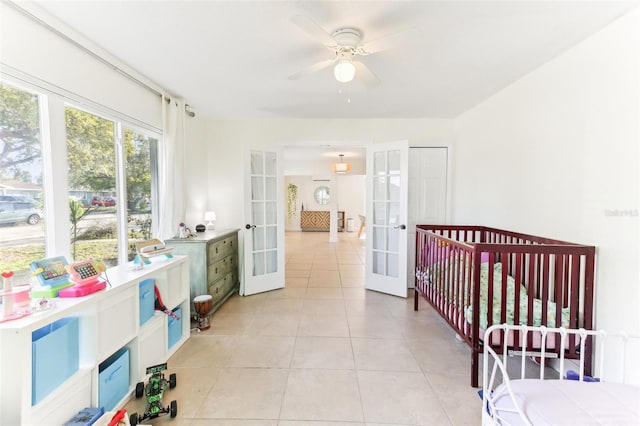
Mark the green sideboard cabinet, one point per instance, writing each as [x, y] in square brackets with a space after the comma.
[213, 263]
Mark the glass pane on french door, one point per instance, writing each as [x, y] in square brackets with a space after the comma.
[264, 212]
[386, 196]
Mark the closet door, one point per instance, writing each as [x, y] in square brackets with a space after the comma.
[428, 195]
[264, 219]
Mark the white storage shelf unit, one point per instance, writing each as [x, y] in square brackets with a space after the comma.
[107, 322]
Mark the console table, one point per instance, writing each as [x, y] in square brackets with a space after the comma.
[312, 220]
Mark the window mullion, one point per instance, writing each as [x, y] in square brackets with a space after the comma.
[121, 194]
[55, 177]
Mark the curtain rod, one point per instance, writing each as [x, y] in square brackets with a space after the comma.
[81, 47]
[187, 111]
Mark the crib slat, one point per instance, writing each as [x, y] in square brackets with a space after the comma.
[503, 295]
[518, 281]
[492, 259]
[545, 290]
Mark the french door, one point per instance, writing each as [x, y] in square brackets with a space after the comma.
[264, 219]
[386, 223]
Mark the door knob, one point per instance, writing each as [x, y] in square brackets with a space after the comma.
[249, 226]
[400, 227]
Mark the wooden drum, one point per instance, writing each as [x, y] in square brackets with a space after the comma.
[202, 305]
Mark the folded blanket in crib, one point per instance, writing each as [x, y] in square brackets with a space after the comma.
[538, 317]
[444, 268]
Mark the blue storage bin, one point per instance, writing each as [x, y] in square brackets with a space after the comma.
[147, 300]
[55, 356]
[175, 327]
[113, 379]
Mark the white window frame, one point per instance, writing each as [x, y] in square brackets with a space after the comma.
[52, 102]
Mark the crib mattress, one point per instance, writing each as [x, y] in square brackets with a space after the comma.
[570, 402]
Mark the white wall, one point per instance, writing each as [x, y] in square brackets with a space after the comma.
[30, 49]
[227, 140]
[556, 152]
[351, 197]
[321, 166]
[195, 173]
[347, 190]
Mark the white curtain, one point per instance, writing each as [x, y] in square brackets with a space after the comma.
[171, 169]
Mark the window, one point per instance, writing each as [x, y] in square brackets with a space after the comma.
[91, 161]
[22, 220]
[94, 201]
[108, 187]
[140, 157]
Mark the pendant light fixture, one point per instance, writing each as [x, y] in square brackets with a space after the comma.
[341, 168]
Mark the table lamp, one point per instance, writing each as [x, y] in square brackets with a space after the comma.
[210, 218]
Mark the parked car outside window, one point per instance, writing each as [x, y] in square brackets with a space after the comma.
[103, 202]
[18, 198]
[16, 211]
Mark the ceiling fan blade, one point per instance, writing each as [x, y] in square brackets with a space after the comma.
[366, 75]
[386, 42]
[313, 68]
[310, 27]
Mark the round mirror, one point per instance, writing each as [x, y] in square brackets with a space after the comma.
[321, 194]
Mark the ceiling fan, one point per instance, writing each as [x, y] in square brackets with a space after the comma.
[347, 44]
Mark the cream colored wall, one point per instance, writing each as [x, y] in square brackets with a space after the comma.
[196, 176]
[553, 154]
[348, 191]
[227, 141]
[31, 50]
[556, 154]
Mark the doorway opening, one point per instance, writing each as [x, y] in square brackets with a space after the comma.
[322, 210]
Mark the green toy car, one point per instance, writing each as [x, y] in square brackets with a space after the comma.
[154, 391]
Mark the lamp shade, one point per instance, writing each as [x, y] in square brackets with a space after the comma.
[344, 71]
[341, 168]
[210, 218]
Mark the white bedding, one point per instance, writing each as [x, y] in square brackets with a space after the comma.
[569, 402]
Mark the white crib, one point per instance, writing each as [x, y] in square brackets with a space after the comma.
[563, 397]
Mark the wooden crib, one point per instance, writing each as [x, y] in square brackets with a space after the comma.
[469, 273]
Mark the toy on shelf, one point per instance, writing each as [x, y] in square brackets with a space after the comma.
[86, 278]
[59, 279]
[154, 391]
[119, 418]
[87, 416]
[52, 276]
[160, 306]
[138, 263]
[151, 248]
[16, 300]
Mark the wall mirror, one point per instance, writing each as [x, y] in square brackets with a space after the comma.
[321, 195]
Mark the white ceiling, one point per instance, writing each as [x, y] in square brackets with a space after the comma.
[231, 59]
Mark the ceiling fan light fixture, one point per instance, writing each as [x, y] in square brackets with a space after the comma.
[344, 70]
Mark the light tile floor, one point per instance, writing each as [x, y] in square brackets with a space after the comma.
[323, 351]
